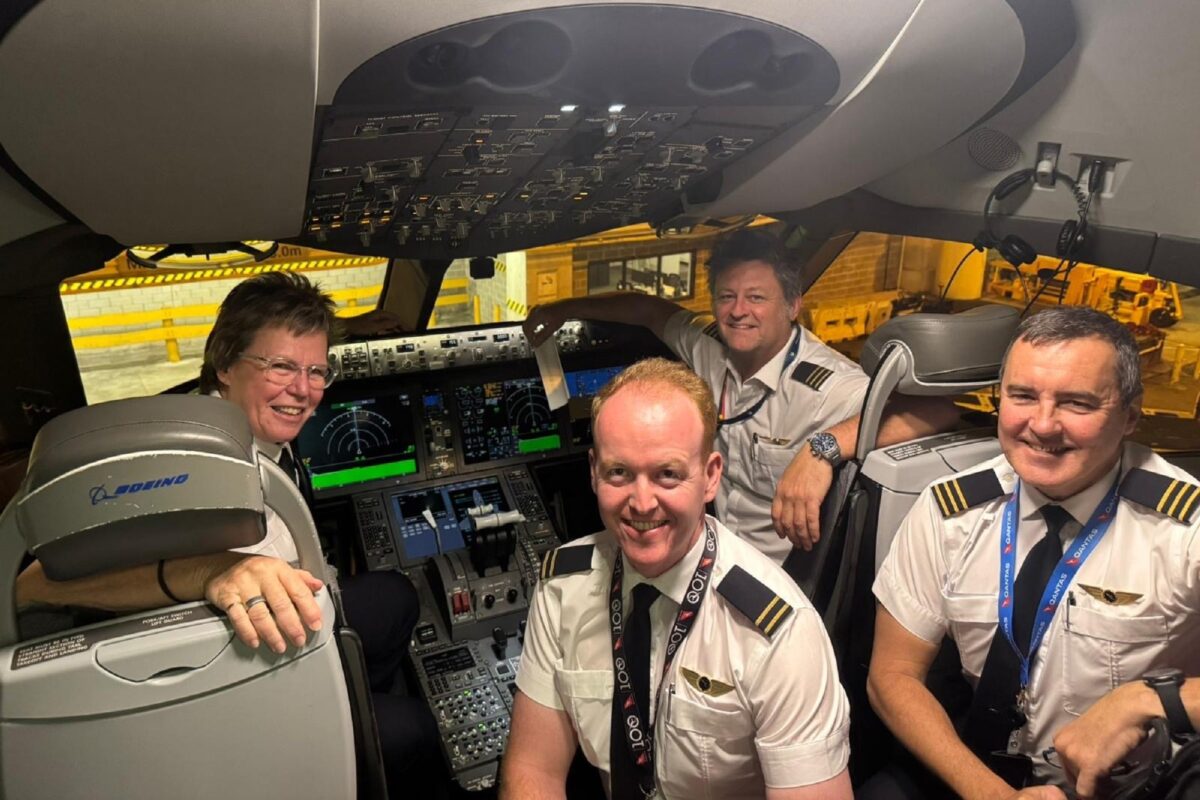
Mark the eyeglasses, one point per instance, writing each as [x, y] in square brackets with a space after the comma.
[282, 371]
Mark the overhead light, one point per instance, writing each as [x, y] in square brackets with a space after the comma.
[567, 109]
[616, 108]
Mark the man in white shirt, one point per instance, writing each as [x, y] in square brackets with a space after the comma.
[1066, 571]
[683, 662]
[788, 404]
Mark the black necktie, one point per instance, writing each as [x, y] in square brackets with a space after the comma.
[636, 642]
[288, 464]
[993, 715]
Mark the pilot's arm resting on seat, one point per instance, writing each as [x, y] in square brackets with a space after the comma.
[227, 580]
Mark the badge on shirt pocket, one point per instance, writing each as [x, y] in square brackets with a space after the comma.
[704, 684]
[1102, 650]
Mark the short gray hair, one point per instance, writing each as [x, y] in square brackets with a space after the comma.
[1068, 323]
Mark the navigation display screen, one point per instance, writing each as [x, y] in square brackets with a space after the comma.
[358, 441]
[505, 419]
[432, 521]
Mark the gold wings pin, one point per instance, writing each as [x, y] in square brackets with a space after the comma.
[705, 684]
[1111, 597]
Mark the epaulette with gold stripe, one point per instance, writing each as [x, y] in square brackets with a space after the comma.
[1173, 497]
[713, 331]
[967, 491]
[751, 597]
[566, 560]
[811, 375]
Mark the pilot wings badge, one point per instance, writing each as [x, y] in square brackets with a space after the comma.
[1111, 597]
[705, 684]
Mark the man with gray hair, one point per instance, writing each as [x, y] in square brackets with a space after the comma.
[788, 404]
[1066, 571]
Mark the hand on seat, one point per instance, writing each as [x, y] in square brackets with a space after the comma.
[289, 607]
[796, 510]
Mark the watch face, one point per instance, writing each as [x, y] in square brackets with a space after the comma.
[1163, 675]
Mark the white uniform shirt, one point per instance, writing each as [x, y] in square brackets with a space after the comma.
[941, 577]
[758, 450]
[785, 723]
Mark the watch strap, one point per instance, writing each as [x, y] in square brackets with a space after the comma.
[1178, 721]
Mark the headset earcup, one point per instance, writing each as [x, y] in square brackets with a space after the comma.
[1070, 238]
[1016, 250]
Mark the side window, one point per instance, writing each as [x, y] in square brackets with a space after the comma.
[668, 276]
[879, 276]
[139, 331]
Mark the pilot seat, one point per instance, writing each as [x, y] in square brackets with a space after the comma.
[168, 703]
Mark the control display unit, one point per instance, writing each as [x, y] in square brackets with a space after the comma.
[353, 442]
[505, 419]
[435, 520]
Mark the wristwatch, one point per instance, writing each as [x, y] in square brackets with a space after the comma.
[824, 445]
[1166, 682]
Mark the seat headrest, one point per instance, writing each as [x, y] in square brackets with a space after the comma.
[133, 481]
[954, 352]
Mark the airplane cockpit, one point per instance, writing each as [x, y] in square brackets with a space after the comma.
[936, 171]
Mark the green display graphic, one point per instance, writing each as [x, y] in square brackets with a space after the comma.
[541, 443]
[342, 477]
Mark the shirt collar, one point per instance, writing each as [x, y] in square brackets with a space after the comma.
[674, 582]
[1079, 505]
[770, 373]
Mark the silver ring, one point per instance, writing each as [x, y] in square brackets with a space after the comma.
[541, 326]
[258, 599]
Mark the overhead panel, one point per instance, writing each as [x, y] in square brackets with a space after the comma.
[529, 128]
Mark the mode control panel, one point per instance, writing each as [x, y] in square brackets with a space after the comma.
[435, 351]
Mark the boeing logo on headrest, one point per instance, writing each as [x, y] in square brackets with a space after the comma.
[99, 494]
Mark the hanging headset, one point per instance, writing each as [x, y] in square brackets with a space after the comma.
[1016, 250]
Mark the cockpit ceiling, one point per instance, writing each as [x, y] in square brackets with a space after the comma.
[439, 134]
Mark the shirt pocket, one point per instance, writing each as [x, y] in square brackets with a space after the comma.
[587, 695]
[770, 461]
[1102, 651]
[698, 744]
[972, 620]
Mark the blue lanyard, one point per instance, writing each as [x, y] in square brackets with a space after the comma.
[750, 412]
[1068, 565]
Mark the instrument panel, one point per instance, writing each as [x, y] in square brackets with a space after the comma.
[436, 443]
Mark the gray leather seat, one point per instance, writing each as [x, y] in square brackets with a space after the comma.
[163, 703]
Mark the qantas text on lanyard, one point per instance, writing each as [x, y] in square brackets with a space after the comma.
[750, 412]
[639, 736]
[1064, 573]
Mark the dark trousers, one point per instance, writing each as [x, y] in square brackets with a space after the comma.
[382, 608]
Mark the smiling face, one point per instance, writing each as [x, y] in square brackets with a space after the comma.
[754, 318]
[1061, 418]
[276, 413]
[650, 477]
